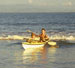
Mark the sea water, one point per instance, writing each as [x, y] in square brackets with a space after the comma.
[58, 26]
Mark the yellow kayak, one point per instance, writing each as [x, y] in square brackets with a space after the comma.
[27, 45]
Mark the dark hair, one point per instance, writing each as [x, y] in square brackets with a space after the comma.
[43, 29]
[32, 34]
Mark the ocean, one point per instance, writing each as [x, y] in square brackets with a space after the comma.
[60, 27]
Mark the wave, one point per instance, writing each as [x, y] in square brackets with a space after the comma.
[53, 35]
[19, 37]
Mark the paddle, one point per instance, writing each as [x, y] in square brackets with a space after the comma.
[51, 43]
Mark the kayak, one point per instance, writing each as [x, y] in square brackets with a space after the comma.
[27, 45]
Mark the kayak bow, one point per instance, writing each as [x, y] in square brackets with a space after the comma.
[27, 45]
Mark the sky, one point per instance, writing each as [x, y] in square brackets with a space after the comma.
[37, 5]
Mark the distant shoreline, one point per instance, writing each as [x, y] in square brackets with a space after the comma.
[33, 12]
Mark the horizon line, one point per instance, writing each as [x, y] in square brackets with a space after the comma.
[38, 12]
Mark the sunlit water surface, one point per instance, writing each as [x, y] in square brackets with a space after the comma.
[58, 25]
[13, 55]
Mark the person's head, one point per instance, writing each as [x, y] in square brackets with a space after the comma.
[32, 35]
[43, 31]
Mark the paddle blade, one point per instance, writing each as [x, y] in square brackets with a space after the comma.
[52, 43]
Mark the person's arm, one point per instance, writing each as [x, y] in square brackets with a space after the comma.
[47, 37]
[36, 35]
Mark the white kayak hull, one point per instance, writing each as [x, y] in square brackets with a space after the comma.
[30, 46]
[27, 45]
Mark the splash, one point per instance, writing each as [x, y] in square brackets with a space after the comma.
[13, 37]
[59, 36]
[62, 38]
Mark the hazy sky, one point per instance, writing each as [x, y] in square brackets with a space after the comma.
[37, 5]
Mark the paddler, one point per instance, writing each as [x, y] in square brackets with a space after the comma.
[43, 36]
[32, 38]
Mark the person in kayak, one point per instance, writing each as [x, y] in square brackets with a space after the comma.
[43, 36]
[32, 37]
